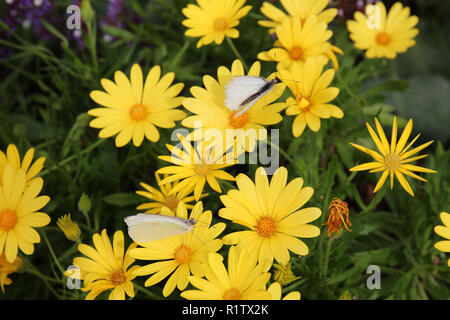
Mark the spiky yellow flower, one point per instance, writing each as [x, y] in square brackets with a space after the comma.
[196, 166]
[245, 279]
[301, 9]
[19, 203]
[275, 292]
[106, 267]
[381, 34]
[337, 217]
[311, 95]
[444, 231]
[6, 268]
[283, 274]
[394, 158]
[163, 198]
[12, 157]
[213, 20]
[71, 229]
[297, 42]
[132, 108]
[211, 113]
[180, 255]
[272, 212]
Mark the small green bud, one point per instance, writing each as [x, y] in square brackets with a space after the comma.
[84, 204]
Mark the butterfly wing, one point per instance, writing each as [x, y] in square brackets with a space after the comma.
[240, 88]
[146, 227]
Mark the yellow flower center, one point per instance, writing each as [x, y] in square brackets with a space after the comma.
[238, 122]
[383, 38]
[171, 202]
[232, 294]
[183, 254]
[220, 24]
[304, 104]
[202, 169]
[266, 227]
[296, 53]
[138, 112]
[392, 161]
[118, 277]
[8, 219]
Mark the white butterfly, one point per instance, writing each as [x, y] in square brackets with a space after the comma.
[242, 92]
[144, 227]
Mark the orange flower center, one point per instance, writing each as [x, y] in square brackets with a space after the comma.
[220, 24]
[202, 169]
[296, 53]
[171, 202]
[232, 294]
[138, 112]
[266, 227]
[118, 277]
[383, 38]
[392, 161]
[238, 122]
[183, 254]
[8, 219]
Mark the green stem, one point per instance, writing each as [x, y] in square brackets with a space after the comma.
[344, 85]
[327, 257]
[73, 157]
[285, 154]
[34, 271]
[52, 253]
[147, 292]
[236, 52]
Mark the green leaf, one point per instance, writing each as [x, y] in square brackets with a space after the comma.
[122, 199]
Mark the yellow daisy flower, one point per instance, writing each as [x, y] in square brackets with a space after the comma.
[383, 35]
[245, 279]
[181, 255]
[213, 20]
[301, 9]
[19, 203]
[272, 212]
[133, 108]
[106, 267]
[6, 268]
[275, 292]
[210, 111]
[71, 229]
[12, 157]
[312, 95]
[297, 42]
[444, 231]
[196, 167]
[394, 158]
[162, 198]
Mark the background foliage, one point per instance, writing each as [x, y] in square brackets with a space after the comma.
[45, 95]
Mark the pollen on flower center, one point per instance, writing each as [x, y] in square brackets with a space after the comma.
[118, 277]
[392, 161]
[202, 169]
[296, 53]
[138, 112]
[383, 38]
[266, 227]
[232, 294]
[220, 24]
[8, 219]
[238, 122]
[304, 104]
[183, 254]
[171, 202]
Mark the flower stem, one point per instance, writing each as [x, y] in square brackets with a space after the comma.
[147, 292]
[68, 159]
[52, 253]
[236, 52]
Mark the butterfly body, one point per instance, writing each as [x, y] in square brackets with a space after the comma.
[242, 92]
[145, 227]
